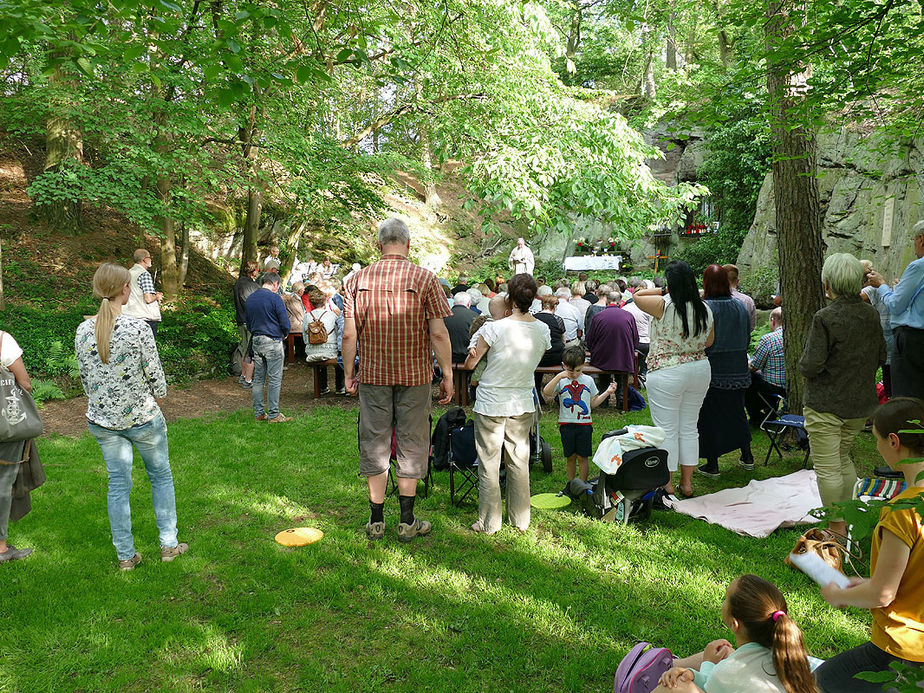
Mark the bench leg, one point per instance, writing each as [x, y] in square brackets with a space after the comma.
[316, 372]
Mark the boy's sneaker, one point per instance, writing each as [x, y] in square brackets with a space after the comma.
[746, 464]
[341, 391]
[418, 528]
[130, 563]
[375, 530]
[706, 471]
[325, 391]
[168, 553]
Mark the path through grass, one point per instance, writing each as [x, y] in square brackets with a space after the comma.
[551, 610]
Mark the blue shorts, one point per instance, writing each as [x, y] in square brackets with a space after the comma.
[576, 439]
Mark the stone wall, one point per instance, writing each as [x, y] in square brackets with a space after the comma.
[872, 193]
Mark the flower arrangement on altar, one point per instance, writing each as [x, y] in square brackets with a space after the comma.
[581, 244]
[611, 243]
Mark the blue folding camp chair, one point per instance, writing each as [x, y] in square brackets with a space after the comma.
[776, 424]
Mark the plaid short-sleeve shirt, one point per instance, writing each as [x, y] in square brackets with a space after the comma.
[146, 283]
[391, 301]
[768, 358]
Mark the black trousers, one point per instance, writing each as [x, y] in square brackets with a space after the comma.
[339, 379]
[907, 372]
[755, 405]
[836, 675]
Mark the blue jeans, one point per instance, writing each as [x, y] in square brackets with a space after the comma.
[151, 441]
[268, 355]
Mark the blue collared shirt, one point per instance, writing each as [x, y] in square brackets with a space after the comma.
[906, 301]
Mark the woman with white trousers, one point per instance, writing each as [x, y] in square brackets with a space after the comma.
[678, 369]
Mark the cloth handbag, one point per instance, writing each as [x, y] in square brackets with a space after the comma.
[19, 417]
[823, 542]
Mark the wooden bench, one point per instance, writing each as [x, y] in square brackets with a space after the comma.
[316, 367]
[461, 375]
[290, 346]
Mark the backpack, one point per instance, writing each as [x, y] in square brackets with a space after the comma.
[454, 418]
[317, 333]
[640, 669]
[235, 356]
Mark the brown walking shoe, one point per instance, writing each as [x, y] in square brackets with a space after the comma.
[418, 528]
[375, 530]
[280, 419]
[130, 563]
[168, 553]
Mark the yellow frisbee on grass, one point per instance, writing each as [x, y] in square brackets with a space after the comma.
[299, 536]
[549, 501]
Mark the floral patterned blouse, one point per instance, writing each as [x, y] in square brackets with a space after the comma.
[121, 393]
[668, 345]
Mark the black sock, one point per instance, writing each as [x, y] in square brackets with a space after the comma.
[378, 512]
[407, 508]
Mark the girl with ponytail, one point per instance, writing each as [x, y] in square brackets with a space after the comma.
[121, 373]
[769, 656]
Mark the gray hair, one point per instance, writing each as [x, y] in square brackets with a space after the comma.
[270, 278]
[917, 229]
[544, 290]
[614, 296]
[393, 231]
[563, 293]
[462, 299]
[843, 274]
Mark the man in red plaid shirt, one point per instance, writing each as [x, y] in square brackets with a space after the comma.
[394, 311]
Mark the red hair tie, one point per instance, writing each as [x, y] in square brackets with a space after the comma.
[776, 615]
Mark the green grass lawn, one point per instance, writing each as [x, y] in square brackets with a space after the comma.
[553, 609]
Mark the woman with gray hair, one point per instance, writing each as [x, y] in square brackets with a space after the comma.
[843, 350]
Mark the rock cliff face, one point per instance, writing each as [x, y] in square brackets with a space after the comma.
[872, 193]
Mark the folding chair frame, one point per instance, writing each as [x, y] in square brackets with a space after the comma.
[776, 427]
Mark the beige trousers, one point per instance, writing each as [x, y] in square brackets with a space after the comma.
[830, 438]
[507, 435]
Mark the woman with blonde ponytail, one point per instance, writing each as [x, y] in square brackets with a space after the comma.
[122, 376]
[768, 656]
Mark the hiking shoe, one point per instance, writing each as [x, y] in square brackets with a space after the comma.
[130, 563]
[746, 464]
[418, 528]
[246, 384]
[279, 419]
[375, 530]
[14, 554]
[706, 471]
[168, 553]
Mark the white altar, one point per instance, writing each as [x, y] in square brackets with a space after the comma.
[586, 263]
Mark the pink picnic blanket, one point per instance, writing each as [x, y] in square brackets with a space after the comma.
[761, 506]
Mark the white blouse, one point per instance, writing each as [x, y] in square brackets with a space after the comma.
[516, 347]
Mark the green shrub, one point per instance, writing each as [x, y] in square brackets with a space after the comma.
[44, 390]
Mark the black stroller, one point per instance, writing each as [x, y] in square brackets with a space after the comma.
[629, 493]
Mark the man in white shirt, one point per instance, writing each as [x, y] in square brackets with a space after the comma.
[573, 319]
[521, 259]
[143, 301]
[272, 261]
[744, 298]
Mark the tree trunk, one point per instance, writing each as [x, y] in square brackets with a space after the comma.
[798, 214]
[725, 49]
[63, 148]
[184, 252]
[170, 284]
[431, 196]
[291, 250]
[2, 295]
[254, 192]
[648, 81]
[574, 40]
[670, 47]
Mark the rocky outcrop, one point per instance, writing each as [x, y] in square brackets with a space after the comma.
[872, 193]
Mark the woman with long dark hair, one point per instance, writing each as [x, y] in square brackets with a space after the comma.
[678, 370]
[723, 424]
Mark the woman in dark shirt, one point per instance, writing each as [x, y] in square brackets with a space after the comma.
[723, 424]
[552, 357]
[843, 350]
